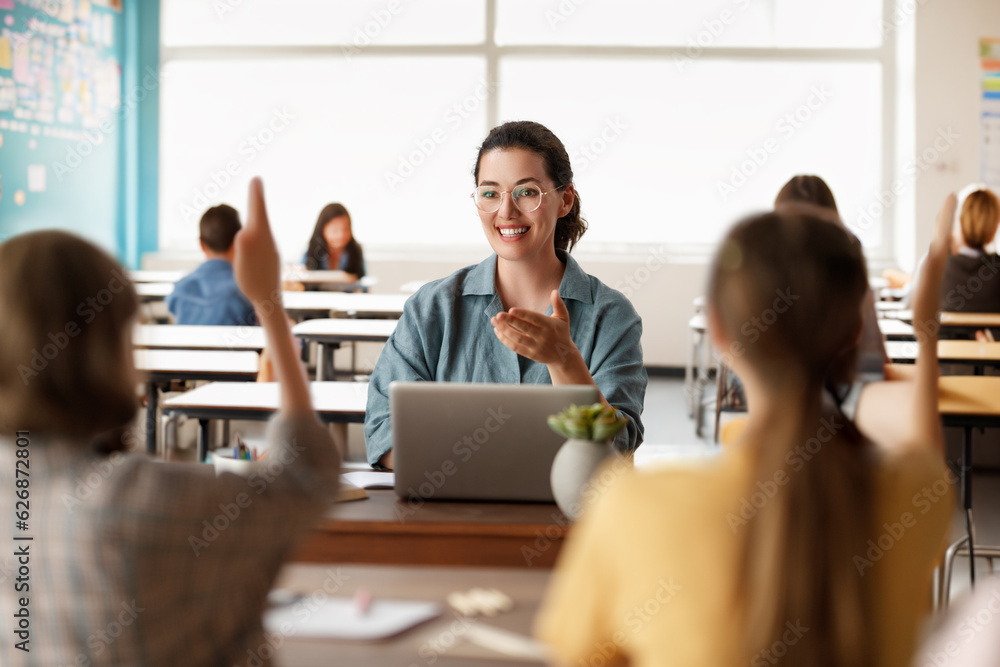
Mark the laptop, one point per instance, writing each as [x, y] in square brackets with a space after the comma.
[474, 441]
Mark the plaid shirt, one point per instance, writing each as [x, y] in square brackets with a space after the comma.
[135, 562]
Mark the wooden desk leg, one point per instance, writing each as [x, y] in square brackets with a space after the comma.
[152, 403]
[203, 439]
[966, 469]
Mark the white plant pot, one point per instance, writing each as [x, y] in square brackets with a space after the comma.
[574, 465]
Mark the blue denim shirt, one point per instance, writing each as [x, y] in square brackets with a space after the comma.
[210, 295]
[445, 334]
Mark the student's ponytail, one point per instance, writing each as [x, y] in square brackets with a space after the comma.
[786, 289]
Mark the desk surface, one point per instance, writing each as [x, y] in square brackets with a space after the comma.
[340, 302]
[155, 276]
[385, 530]
[153, 291]
[257, 400]
[433, 584]
[192, 337]
[949, 319]
[183, 363]
[342, 329]
[969, 395]
[891, 328]
[954, 351]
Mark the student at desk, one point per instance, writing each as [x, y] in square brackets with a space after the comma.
[970, 282]
[803, 542]
[210, 295]
[133, 561]
[332, 246]
[485, 323]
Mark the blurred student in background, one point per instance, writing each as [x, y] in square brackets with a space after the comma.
[210, 294]
[332, 246]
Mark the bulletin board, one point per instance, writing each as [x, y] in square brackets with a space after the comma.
[60, 109]
[989, 52]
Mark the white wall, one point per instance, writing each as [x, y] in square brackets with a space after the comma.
[948, 94]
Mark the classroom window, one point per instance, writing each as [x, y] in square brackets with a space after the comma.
[679, 117]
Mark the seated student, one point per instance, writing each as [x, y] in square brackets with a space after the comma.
[970, 282]
[802, 541]
[485, 323]
[209, 295]
[178, 561]
[333, 246]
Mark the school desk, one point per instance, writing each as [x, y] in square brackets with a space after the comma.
[349, 305]
[884, 307]
[383, 529]
[160, 367]
[333, 281]
[148, 292]
[335, 331]
[155, 276]
[333, 402]
[965, 352]
[967, 401]
[198, 337]
[895, 329]
[953, 323]
[436, 642]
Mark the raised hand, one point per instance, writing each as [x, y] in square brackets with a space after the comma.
[927, 298]
[256, 265]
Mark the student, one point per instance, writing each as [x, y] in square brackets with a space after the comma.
[971, 282]
[872, 357]
[210, 295]
[333, 246]
[485, 323]
[802, 542]
[134, 561]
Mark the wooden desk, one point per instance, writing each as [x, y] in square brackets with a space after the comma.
[335, 331]
[198, 337]
[433, 584]
[163, 366]
[955, 322]
[895, 329]
[334, 402]
[978, 355]
[385, 530]
[333, 281]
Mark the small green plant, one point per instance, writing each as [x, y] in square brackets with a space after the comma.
[597, 422]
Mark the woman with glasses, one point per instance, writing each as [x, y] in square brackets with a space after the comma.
[528, 313]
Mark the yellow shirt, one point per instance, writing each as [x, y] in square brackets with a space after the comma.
[649, 571]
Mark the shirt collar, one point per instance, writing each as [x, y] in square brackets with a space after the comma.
[575, 282]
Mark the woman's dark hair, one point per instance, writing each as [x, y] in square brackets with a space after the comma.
[537, 138]
[317, 251]
[807, 189]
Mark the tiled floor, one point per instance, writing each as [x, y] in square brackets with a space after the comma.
[670, 434]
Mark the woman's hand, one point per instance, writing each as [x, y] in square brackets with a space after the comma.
[538, 337]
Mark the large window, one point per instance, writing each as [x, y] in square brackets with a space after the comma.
[680, 117]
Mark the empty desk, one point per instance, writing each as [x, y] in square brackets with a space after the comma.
[198, 337]
[335, 331]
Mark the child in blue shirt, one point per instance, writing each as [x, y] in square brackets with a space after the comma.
[209, 295]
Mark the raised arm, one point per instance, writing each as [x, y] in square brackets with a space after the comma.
[258, 273]
[878, 414]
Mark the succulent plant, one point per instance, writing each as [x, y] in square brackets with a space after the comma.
[597, 422]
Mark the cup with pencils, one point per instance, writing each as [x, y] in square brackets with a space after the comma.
[239, 459]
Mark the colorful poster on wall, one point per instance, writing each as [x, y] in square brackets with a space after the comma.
[989, 54]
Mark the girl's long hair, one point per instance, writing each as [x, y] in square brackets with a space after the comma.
[787, 289]
[317, 244]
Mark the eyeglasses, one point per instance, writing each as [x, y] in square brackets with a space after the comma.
[527, 198]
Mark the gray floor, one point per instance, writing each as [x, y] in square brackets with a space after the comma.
[670, 433]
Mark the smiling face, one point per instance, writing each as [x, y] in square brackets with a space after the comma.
[337, 232]
[513, 234]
